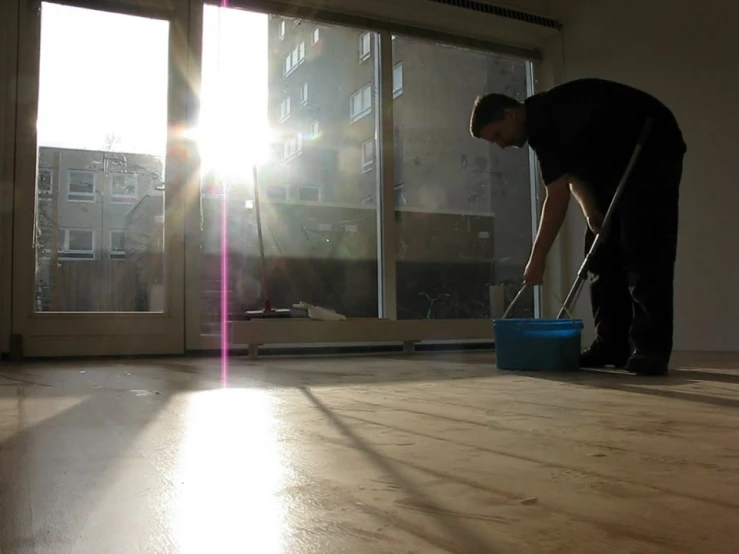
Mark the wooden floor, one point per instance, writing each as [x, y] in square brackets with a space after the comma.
[398, 455]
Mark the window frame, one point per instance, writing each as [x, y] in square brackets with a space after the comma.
[113, 254]
[365, 111]
[382, 36]
[367, 165]
[45, 194]
[123, 198]
[294, 59]
[319, 194]
[76, 254]
[82, 197]
[289, 153]
[397, 90]
[285, 109]
[365, 46]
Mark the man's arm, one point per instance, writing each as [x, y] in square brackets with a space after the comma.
[553, 213]
[582, 193]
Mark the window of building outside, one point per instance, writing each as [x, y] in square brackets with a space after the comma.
[368, 155]
[397, 80]
[285, 109]
[124, 188]
[45, 183]
[360, 103]
[365, 46]
[78, 244]
[309, 194]
[117, 244]
[293, 147]
[463, 226]
[294, 58]
[81, 186]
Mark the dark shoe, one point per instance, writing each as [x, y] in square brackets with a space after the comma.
[599, 356]
[644, 364]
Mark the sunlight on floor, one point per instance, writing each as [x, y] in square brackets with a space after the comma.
[230, 473]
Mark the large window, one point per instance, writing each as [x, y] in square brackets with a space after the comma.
[463, 205]
[319, 233]
[101, 150]
[463, 220]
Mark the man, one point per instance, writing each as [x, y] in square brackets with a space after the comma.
[584, 133]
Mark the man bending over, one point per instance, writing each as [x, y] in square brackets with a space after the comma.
[583, 133]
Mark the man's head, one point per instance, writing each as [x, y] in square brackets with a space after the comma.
[499, 119]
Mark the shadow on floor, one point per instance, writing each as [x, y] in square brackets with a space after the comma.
[54, 470]
[464, 538]
[663, 387]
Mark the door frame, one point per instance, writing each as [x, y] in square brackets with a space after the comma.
[102, 333]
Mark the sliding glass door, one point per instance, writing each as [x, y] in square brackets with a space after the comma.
[102, 163]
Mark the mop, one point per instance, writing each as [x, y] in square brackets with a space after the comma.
[268, 311]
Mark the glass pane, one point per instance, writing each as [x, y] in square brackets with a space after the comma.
[299, 106]
[102, 137]
[463, 205]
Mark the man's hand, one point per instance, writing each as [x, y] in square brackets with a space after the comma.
[533, 274]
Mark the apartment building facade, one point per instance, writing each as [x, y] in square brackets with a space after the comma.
[84, 198]
[322, 101]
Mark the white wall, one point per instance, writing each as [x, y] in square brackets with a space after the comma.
[684, 52]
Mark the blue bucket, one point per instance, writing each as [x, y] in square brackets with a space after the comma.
[538, 344]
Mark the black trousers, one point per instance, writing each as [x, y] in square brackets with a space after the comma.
[632, 273]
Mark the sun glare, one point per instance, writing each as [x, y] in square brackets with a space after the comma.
[230, 150]
[234, 133]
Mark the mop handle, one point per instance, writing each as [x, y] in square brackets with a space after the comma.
[515, 299]
[582, 272]
[622, 184]
[259, 231]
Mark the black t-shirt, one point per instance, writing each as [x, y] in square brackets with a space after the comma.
[588, 128]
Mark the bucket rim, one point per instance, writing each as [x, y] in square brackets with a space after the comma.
[530, 322]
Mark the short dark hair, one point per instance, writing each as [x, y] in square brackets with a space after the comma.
[488, 108]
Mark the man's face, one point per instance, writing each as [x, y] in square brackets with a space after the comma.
[510, 131]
